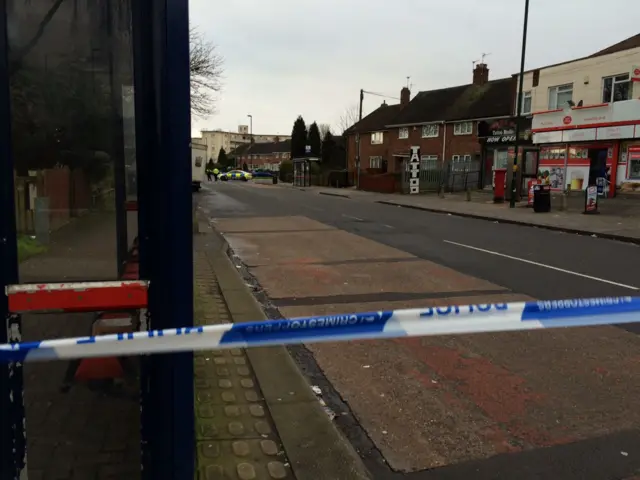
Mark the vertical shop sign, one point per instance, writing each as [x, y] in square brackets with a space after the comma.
[414, 171]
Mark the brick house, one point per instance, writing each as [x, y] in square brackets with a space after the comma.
[266, 156]
[373, 136]
[443, 122]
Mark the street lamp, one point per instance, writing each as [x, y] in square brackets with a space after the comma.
[512, 200]
[250, 127]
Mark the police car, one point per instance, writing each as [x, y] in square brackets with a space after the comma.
[235, 175]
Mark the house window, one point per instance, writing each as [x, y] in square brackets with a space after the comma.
[616, 88]
[375, 162]
[526, 103]
[460, 162]
[560, 96]
[463, 128]
[429, 162]
[430, 131]
[377, 138]
[403, 132]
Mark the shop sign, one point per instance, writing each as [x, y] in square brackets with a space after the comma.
[547, 137]
[613, 133]
[591, 199]
[503, 131]
[625, 111]
[582, 135]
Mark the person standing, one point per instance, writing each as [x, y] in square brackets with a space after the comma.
[216, 172]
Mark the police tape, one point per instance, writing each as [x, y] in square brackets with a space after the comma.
[446, 320]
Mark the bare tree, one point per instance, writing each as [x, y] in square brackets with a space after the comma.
[324, 128]
[206, 66]
[349, 117]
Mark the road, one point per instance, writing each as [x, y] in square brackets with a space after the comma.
[552, 404]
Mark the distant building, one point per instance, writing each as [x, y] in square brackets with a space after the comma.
[266, 156]
[216, 139]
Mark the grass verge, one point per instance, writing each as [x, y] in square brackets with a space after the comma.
[29, 247]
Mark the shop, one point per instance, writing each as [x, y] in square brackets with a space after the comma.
[498, 139]
[592, 145]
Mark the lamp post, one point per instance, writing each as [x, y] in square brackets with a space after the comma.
[250, 127]
[512, 200]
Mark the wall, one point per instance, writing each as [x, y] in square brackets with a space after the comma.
[593, 69]
[368, 150]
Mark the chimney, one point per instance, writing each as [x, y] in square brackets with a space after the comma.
[480, 74]
[384, 103]
[405, 96]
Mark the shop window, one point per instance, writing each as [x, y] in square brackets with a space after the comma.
[616, 88]
[375, 162]
[560, 96]
[634, 169]
[430, 131]
[403, 132]
[463, 128]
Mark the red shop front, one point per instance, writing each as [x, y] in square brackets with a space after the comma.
[580, 146]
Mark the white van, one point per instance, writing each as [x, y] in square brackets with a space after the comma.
[198, 164]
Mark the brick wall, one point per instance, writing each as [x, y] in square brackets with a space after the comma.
[367, 150]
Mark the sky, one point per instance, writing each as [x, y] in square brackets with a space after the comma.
[285, 58]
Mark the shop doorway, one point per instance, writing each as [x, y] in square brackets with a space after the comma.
[597, 164]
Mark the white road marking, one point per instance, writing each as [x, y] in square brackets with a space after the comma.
[530, 262]
[388, 226]
[353, 218]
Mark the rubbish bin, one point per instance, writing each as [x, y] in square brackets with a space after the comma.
[542, 198]
[275, 179]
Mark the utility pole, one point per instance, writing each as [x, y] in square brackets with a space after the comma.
[514, 188]
[358, 140]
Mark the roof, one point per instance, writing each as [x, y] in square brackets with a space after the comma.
[376, 120]
[464, 102]
[626, 44]
[263, 148]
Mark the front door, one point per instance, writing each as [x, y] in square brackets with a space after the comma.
[598, 164]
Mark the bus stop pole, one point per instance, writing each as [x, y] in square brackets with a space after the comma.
[12, 432]
[163, 134]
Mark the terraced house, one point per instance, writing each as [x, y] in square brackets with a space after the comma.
[443, 122]
[266, 156]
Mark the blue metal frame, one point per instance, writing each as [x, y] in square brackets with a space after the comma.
[12, 434]
[163, 135]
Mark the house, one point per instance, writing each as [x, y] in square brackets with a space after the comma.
[442, 122]
[266, 156]
[368, 140]
[586, 119]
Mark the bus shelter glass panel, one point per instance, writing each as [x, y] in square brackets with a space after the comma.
[73, 137]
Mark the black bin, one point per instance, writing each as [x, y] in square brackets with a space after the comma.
[542, 198]
[275, 179]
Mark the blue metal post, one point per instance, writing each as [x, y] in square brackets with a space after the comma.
[12, 434]
[163, 134]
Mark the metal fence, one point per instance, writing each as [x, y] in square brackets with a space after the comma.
[449, 176]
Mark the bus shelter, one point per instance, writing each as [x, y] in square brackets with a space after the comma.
[95, 223]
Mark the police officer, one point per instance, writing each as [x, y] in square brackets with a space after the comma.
[216, 172]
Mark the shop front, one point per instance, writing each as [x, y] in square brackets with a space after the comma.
[498, 139]
[592, 145]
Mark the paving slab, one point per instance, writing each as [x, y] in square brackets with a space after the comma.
[372, 278]
[307, 247]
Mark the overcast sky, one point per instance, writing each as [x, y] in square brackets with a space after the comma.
[285, 58]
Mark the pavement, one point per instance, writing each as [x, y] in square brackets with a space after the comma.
[618, 217]
[551, 404]
[256, 415]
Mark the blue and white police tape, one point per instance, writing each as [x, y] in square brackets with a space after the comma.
[447, 320]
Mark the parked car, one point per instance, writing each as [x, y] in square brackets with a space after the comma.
[235, 175]
[262, 174]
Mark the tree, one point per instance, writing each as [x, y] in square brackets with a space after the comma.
[349, 117]
[324, 128]
[206, 66]
[223, 159]
[286, 171]
[210, 165]
[328, 148]
[314, 140]
[298, 138]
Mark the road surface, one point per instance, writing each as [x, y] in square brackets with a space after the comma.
[551, 404]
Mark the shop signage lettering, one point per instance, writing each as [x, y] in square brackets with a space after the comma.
[502, 139]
